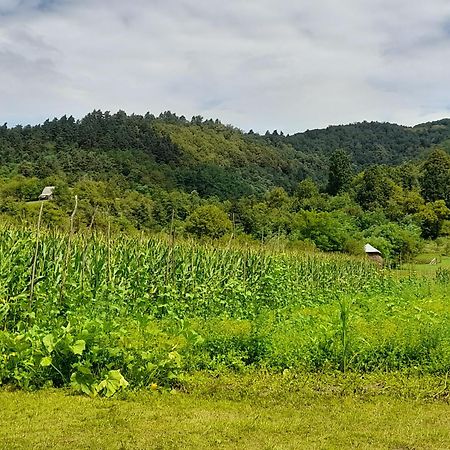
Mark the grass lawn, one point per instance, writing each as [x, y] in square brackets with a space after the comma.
[224, 416]
[422, 264]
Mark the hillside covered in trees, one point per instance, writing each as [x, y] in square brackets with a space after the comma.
[330, 189]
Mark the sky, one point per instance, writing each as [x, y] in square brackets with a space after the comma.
[255, 64]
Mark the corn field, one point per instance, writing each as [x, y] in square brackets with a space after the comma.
[102, 312]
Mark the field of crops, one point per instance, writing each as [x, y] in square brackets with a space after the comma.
[101, 313]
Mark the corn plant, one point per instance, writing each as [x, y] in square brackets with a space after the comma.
[125, 297]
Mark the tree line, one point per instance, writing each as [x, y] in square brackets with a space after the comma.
[209, 180]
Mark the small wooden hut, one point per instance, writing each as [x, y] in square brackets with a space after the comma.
[47, 193]
[374, 254]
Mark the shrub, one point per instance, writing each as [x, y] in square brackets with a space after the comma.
[209, 221]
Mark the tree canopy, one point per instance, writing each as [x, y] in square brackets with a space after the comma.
[330, 189]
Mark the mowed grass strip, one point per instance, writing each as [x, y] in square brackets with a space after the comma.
[53, 419]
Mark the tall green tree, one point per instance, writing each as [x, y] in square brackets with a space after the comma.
[432, 217]
[374, 189]
[340, 172]
[307, 188]
[435, 181]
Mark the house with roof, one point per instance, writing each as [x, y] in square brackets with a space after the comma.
[374, 254]
[47, 193]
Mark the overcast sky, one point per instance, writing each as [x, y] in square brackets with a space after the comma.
[261, 64]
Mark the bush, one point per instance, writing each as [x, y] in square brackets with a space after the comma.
[208, 221]
[395, 242]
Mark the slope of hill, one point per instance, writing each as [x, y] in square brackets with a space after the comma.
[168, 152]
[373, 142]
[148, 152]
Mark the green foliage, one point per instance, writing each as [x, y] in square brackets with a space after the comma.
[340, 172]
[373, 188]
[306, 189]
[277, 198]
[21, 188]
[368, 143]
[171, 152]
[329, 232]
[134, 173]
[436, 176]
[109, 306]
[209, 221]
[115, 312]
[432, 217]
[397, 243]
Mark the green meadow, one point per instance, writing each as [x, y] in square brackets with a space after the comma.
[258, 411]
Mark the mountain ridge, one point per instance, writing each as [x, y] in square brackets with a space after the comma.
[171, 152]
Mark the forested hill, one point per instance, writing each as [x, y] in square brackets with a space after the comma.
[170, 152]
[373, 142]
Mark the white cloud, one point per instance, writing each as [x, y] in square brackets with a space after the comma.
[256, 64]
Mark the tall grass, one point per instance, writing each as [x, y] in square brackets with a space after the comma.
[154, 308]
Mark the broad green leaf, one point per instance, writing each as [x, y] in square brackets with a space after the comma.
[113, 382]
[46, 361]
[79, 347]
[83, 381]
[49, 342]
